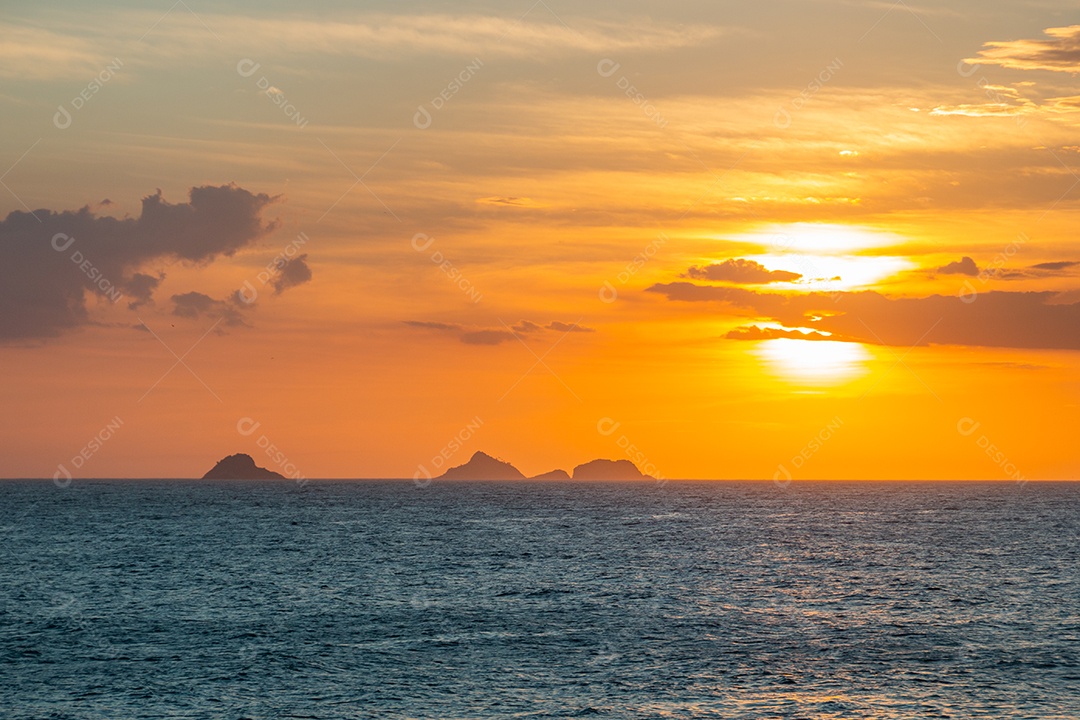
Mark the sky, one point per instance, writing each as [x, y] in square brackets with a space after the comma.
[819, 239]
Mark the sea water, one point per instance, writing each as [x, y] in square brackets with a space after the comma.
[384, 599]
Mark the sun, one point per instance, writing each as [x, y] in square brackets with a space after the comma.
[823, 238]
[827, 257]
[814, 362]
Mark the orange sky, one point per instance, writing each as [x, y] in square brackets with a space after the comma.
[541, 221]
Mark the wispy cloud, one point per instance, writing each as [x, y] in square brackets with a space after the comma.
[497, 336]
[31, 53]
[1060, 52]
[994, 319]
[72, 49]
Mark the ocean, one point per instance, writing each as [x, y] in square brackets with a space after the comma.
[382, 599]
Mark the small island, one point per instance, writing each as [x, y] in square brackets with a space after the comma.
[240, 467]
[609, 470]
[482, 466]
[552, 475]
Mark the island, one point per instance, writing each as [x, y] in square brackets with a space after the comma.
[552, 475]
[609, 470]
[482, 466]
[240, 467]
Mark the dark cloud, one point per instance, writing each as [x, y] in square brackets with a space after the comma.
[432, 325]
[739, 270]
[292, 273]
[51, 262]
[194, 305]
[140, 288]
[496, 336]
[564, 327]
[522, 202]
[1060, 265]
[964, 266]
[753, 332]
[526, 326]
[993, 319]
[1059, 52]
[486, 337]
[465, 335]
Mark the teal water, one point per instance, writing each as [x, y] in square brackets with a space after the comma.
[379, 599]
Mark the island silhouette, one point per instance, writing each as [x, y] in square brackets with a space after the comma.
[480, 466]
[240, 466]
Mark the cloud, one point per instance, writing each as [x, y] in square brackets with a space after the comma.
[194, 305]
[741, 271]
[985, 110]
[52, 262]
[564, 327]
[496, 336]
[1067, 104]
[526, 326]
[523, 202]
[964, 266]
[1060, 52]
[993, 319]
[753, 332]
[141, 289]
[486, 337]
[432, 325]
[291, 273]
[1058, 265]
[32, 53]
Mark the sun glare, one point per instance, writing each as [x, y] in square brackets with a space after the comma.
[830, 273]
[813, 362]
[820, 238]
[827, 257]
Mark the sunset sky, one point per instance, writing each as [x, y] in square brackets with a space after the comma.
[805, 239]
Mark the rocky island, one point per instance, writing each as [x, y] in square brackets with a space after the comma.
[482, 466]
[240, 467]
[609, 470]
